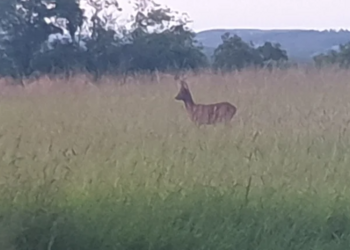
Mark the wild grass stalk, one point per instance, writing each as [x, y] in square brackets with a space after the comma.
[113, 166]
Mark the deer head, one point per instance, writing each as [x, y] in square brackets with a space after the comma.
[204, 113]
[184, 93]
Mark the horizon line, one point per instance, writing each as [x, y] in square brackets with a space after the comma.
[269, 29]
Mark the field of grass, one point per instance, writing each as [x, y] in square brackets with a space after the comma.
[111, 166]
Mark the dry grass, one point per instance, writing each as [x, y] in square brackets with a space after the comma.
[105, 160]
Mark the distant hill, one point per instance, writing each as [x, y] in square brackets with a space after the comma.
[301, 45]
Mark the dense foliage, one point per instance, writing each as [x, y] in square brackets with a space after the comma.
[235, 54]
[25, 46]
[301, 44]
[340, 57]
[57, 37]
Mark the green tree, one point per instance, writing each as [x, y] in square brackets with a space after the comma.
[340, 57]
[157, 40]
[26, 29]
[157, 44]
[235, 54]
[154, 43]
[272, 55]
[60, 57]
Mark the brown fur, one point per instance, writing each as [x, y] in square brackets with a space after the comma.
[202, 114]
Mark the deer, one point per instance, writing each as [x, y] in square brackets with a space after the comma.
[204, 114]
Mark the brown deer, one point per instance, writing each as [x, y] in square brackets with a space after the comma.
[204, 114]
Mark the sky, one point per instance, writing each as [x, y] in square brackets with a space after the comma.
[264, 14]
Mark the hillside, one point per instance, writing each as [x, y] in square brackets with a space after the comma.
[301, 45]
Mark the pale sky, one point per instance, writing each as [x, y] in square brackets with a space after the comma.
[264, 14]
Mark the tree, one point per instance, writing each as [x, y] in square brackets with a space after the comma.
[160, 41]
[235, 54]
[26, 29]
[157, 40]
[340, 57]
[272, 55]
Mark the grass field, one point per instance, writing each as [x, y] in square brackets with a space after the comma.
[110, 166]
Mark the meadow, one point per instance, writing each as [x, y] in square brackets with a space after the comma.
[121, 166]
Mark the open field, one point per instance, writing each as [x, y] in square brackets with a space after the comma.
[113, 166]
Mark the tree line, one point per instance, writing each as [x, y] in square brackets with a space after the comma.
[335, 57]
[157, 40]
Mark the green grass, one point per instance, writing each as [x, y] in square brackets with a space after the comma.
[122, 167]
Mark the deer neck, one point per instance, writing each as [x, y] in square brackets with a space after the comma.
[189, 103]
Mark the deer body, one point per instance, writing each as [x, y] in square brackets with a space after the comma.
[203, 114]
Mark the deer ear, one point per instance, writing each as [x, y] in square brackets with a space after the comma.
[183, 78]
[184, 84]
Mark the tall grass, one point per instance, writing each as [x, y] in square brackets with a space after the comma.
[112, 166]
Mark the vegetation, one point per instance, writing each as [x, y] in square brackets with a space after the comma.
[301, 45]
[339, 57]
[122, 167]
[157, 41]
[235, 54]
[94, 44]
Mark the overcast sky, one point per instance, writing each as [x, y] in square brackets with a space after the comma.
[264, 14]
